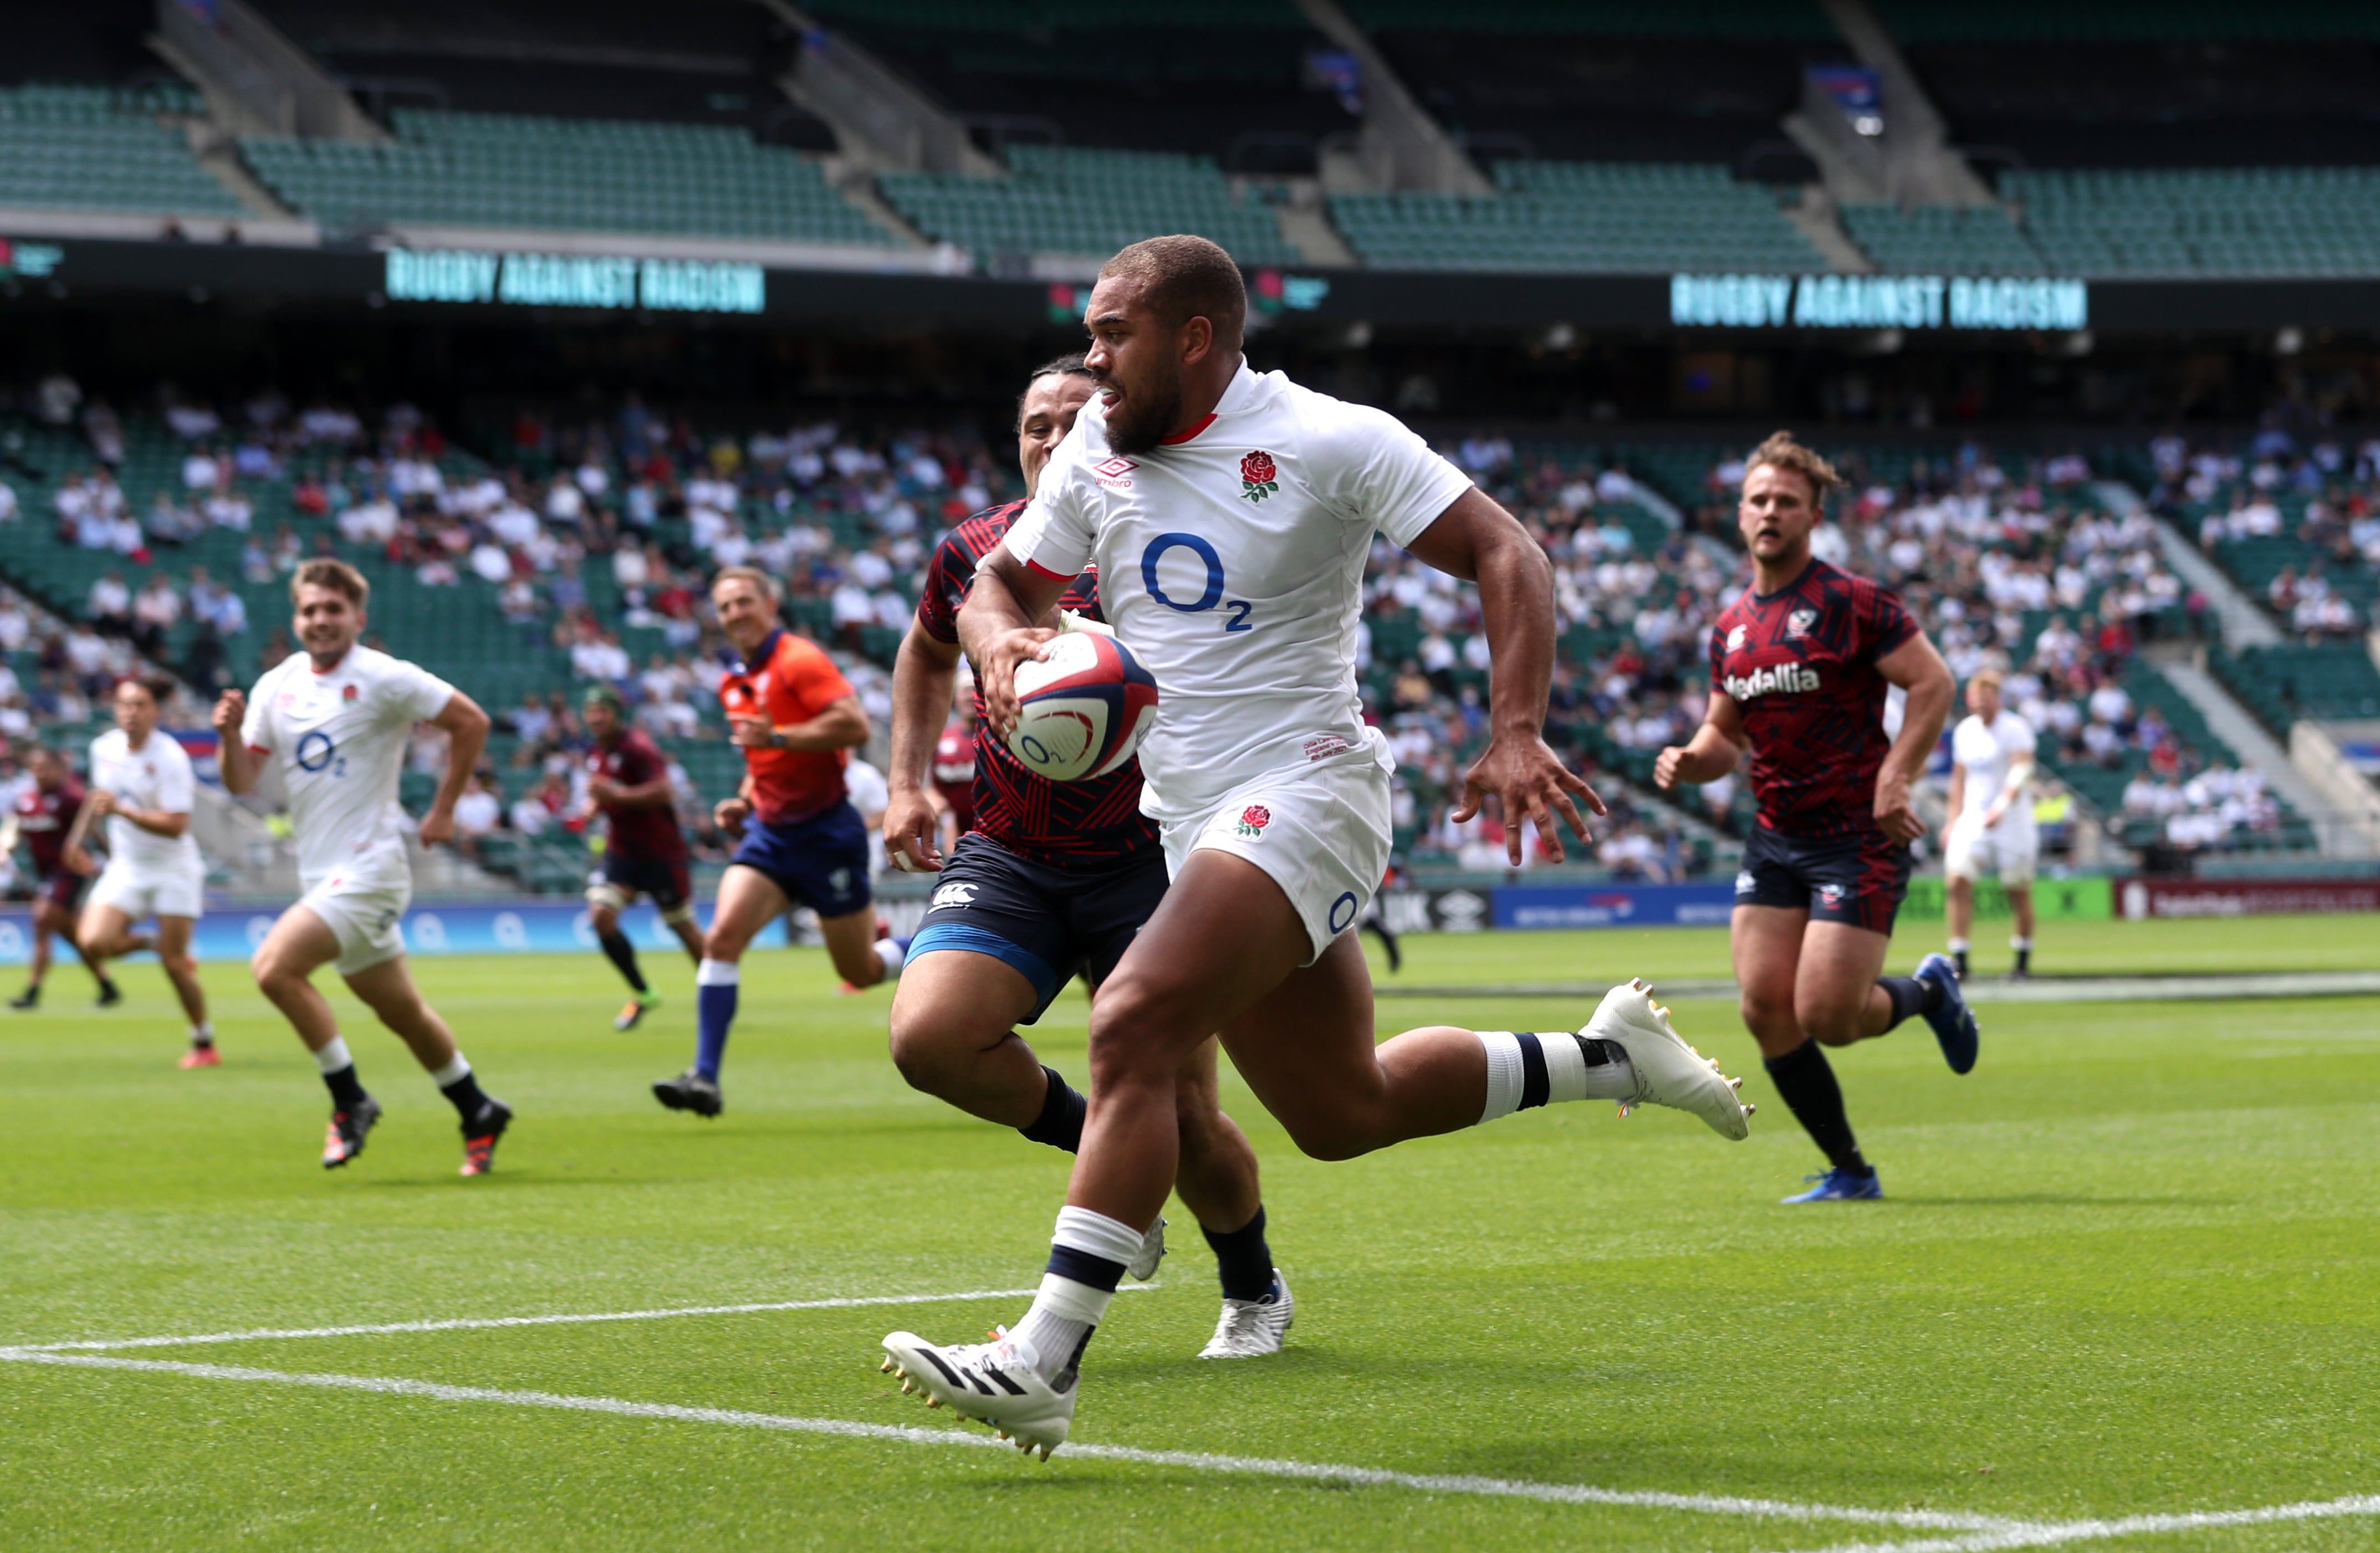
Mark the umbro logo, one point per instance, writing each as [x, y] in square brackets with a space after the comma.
[1113, 467]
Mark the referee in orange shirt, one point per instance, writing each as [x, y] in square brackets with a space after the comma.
[796, 719]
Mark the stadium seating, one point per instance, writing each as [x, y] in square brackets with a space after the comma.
[1580, 216]
[1229, 81]
[1932, 241]
[2048, 21]
[2284, 683]
[90, 149]
[498, 170]
[2300, 222]
[1089, 203]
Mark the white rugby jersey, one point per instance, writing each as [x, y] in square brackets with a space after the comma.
[1988, 750]
[340, 737]
[156, 776]
[1231, 560]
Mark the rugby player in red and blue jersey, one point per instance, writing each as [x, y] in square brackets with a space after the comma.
[1054, 879]
[1799, 667]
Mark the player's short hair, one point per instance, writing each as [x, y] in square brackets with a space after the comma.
[157, 688]
[323, 571]
[1781, 451]
[604, 695]
[1987, 674]
[753, 575]
[1184, 278]
[1068, 366]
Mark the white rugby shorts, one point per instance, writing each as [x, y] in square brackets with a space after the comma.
[2007, 851]
[178, 890]
[362, 912]
[1321, 831]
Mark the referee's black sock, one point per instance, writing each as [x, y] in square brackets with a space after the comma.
[1242, 1259]
[1061, 1122]
[1909, 995]
[1807, 1081]
[621, 953]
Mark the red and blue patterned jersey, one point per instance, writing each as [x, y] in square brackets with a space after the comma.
[1800, 665]
[1061, 823]
[45, 815]
[632, 760]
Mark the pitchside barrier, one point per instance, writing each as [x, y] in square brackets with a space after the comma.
[561, 926]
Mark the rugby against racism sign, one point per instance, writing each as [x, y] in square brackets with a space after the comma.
[1878, 302]
[571, 280]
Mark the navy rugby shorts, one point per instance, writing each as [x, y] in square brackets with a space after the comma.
[1048, 923]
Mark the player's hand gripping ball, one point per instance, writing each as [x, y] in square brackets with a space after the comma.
[1083, 710]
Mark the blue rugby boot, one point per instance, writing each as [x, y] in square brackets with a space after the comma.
[1953, 1021]
[1840, 1185]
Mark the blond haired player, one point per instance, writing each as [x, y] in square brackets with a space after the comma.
[334, 719]
[1991, 817]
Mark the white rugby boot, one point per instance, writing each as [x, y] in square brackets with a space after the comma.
[997, 1383]
[1668, 1072]
[1252, 1329]
[1152, 1251]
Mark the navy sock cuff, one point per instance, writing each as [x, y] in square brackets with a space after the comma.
[1083, 1268]
[1063, 1109]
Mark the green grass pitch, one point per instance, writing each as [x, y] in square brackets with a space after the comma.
[2128, 1268]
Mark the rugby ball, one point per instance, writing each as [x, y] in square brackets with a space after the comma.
[1083, 710]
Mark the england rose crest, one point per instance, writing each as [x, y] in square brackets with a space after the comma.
[1252, 820]
[1256, 476]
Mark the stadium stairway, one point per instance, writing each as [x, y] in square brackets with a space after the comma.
[2244, 624]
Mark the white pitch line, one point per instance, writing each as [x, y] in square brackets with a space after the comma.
[2052, 1533]
[1312, 1471]
[467, 1324]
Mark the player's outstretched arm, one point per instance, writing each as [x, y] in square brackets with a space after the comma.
[1716, 746]
[235, 762]
[1919, 669]
[998, 631]
[1477, 539]
[925, 673]
[466, 727]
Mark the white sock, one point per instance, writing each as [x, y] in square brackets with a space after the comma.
[333, 1056]
[888, 953]
[1513, 1056]
[453, 1073]
[203, 1033]
[1066, 1309]
[718, 973]
[2021, 944]
[1958, 946]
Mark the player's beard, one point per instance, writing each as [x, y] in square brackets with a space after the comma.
[1142, 416]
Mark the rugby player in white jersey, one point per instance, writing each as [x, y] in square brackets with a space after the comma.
[335, 718]
[1229, 516]
[1991, 819]
[141, 784]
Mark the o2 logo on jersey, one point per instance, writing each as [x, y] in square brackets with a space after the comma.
[315, 751]
[1209, 596]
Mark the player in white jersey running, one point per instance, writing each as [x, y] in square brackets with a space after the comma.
[1229, 516]
[141, 784]
[334, 718]
[1991, 819]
